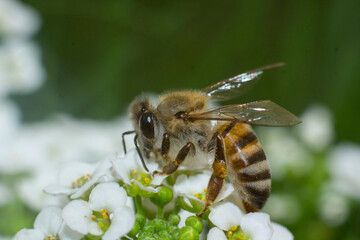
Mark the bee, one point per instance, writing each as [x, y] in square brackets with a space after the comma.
[179, 129]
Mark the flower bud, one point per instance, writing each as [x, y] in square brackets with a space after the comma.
[174, 219]
[131, 190]
[163, 197]
[188, 233]
[194, 222]
[140, 219]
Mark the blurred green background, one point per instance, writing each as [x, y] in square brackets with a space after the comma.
[99, 55]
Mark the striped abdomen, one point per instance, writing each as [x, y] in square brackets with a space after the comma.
[246, 165]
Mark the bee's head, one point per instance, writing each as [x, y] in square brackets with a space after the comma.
[144, 121]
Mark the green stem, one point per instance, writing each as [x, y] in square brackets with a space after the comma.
[160, 212]
[138, 205]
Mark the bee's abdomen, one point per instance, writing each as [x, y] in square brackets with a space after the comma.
[246, 165]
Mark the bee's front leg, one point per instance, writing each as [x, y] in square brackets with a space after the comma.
[172, 166]
[219, 173]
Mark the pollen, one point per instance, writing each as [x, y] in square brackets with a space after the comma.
[234, 228]
[205, 189]
[93, 217]
[147, 180]
[229, 234]
[203, 199]
[197, 195]
[73, 184]
[104, 213]
[134, 172]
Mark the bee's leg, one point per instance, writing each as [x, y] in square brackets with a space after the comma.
[165, 146]
[219, 173]
[171, 167]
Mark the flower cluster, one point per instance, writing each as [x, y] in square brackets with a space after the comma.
[118, 199]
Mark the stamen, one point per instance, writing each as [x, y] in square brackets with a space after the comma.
[134, 172]
[205, 189]
[147, 180]
[78, 180]
[229, 234]
[234, 228]
[203, 199]
[73, 184]
[93, 217]
[197, 195]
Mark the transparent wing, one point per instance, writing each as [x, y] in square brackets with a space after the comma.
[264, 113]
[236, 86]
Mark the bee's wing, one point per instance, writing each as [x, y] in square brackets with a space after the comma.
[264, 113]
[235, 86]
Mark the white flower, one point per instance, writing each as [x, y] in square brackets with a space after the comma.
[345, 168]
[193, 193]
[17, 19]
[257, 225]
[77, 177]
[108, 200]
[20, 67]
[129, 168]
[225, 215]
[316, 129]
[281, 232]
[228, 217]
[48, 224]
[216, 234]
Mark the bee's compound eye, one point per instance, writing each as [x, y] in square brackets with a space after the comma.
[147, 124]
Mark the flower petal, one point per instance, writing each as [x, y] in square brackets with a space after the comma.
[29, 234]
[257, 225]
[185, 185]
[226, 191]
[281, 232]
[57, 189]
[67, 234]
[148, 189]
[225, 215]
[72, 171]
[121, 223]
[77, 216]
[216, 234]
[108, 195]
[183, 216]
[124, 166]
[49, 220]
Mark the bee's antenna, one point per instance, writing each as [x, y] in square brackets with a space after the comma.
[123, 138]
[138, 150]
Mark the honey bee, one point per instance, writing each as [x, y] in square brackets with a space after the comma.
[179, 128]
